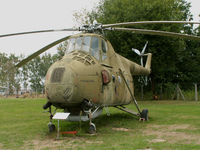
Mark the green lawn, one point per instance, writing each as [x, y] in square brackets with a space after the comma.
[172, 125]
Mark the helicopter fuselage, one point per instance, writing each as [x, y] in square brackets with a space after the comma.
[89, 72]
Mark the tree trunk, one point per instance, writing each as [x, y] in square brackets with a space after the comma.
[196, 92]
[177, 92]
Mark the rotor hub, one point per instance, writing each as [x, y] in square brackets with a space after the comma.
[92, 28]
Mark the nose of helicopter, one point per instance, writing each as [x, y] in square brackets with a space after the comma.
[60, 87]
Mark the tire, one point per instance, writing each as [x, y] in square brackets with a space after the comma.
[144, 114]
[92, 128]
[52, 128]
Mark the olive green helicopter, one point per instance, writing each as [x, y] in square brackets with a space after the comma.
[91, 75]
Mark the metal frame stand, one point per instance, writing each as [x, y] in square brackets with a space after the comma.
[60, 116]
[58, 131]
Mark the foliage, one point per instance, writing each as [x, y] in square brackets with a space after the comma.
[25, 76]
[35, 74]
[32, 74]
[9, 75]
[3, 70]
[61, 49]
[174, 60]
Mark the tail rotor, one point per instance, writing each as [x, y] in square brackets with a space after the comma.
[141, 54]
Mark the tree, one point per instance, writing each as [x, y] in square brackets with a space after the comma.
[61, 49]
[38, 68]
[25, 76]
[166, 51]
[34, 74]
[9, 75]
[3, 69]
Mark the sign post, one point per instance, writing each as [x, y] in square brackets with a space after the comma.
[60, 116]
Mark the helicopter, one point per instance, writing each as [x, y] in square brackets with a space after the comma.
[91, 76]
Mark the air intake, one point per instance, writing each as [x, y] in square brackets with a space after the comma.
[83, 58]
[57, 75]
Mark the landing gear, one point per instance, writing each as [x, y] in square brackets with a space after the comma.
[51, 127]
[144, 115]
[87, 109]
[92, 128]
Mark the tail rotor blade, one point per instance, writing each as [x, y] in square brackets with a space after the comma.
[145, 46]
[136, 51]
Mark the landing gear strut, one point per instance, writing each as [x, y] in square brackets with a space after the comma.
[87, 108]
[144, 114]
[51, 126]
[92, 128]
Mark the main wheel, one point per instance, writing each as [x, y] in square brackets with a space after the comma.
[92, 128]
[52, 127]
[144, 114]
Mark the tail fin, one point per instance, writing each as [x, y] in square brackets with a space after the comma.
[140, 70]
[148, 62]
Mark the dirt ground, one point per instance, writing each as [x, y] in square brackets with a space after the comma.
[173, 134]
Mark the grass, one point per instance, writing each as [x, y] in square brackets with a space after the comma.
[172, 125]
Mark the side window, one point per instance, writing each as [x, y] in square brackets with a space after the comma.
[78, 43]
[86, 43]
[104, 49]
[95, 47]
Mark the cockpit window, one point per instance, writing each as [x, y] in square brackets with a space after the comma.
[89, 44]
[78, 43]
[95, 47]
[86, 43]
[71, 44]
[104, 49]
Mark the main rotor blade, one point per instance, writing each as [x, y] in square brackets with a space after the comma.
[40, 31]
[3, 87]
[156, 32]
[149, 22]
[24, 61]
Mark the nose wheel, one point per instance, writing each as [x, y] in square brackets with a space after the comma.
[51, 127]
[92, 128]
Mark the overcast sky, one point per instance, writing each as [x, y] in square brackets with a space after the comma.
[28, 15]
